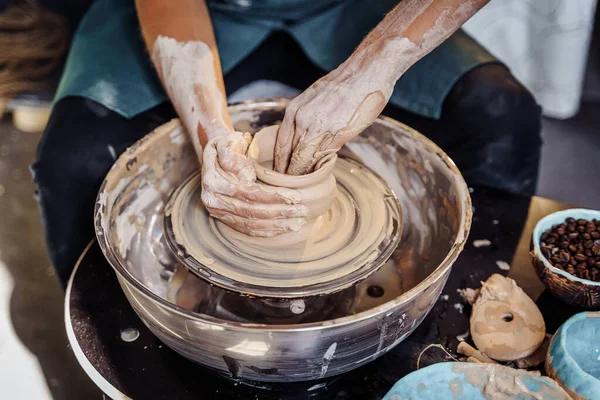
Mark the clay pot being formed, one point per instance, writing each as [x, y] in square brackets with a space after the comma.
[317, 189]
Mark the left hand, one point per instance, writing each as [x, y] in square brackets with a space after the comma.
[328, 114]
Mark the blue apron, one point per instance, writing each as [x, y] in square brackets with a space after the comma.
[108, 62]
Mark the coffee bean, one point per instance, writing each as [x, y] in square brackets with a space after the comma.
[573, 261]
[574, 246]
[590, 261]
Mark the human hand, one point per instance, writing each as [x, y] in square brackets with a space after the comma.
[231, 193]
[328, 114]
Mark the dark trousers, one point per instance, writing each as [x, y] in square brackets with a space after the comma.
[490, 126]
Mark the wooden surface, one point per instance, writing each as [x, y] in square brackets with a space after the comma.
[526, 277]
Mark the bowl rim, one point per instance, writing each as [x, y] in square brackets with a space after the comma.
[553, 219]
[437, 274]
[564, 329]
[269, 176]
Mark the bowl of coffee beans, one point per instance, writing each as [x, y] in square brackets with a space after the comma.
[566, 255]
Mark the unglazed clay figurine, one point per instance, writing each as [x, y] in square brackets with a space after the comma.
[506, 324]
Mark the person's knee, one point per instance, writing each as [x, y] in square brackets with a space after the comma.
[489, 98]
[501, 126]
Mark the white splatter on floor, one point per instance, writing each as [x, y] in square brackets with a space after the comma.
[503, 265]
[481, 243]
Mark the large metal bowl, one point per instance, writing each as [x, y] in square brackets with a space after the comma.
[252, 339]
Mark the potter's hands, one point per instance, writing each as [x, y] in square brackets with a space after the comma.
[231, 193]
[328, 114]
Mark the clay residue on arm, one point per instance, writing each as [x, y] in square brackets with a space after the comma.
[347, 100]
[181, 42]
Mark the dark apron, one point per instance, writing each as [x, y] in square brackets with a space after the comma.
[109, 64]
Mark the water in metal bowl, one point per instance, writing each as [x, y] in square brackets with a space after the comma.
[267, 340]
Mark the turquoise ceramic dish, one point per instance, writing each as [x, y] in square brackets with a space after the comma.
[470, 381]
[569, 288]
[574, 356]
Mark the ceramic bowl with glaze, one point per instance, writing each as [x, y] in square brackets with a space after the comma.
[255, 339]
[574, 356]
[456, 380]
[569, 288]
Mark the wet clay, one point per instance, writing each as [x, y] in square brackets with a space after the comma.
[354, 236]
[500, 382]
[506, 324]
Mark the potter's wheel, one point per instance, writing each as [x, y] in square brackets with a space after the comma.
[352, 240]
[276, 340]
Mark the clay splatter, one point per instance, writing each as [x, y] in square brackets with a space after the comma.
[481, 243]
[503, 265]
[130, 335]
[327, 359]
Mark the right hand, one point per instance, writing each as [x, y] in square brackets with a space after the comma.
[231, 193]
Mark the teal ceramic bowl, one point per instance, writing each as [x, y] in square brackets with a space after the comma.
[574, 356]
[456, 380]
[569, 288]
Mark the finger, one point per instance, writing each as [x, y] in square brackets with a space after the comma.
[265, 194]
[304, 158]
[213, 177]
[285, 135]
[218, 201]
[254, 227]
[216, 180]
[231, 153]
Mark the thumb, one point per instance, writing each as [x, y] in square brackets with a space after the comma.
[231, 152]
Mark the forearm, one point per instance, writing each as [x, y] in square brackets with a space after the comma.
[181, 41]
[408, 33]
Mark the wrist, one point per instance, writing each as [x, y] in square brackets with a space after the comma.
[373, 68]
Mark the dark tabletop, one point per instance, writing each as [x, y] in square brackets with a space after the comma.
[146, 369]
